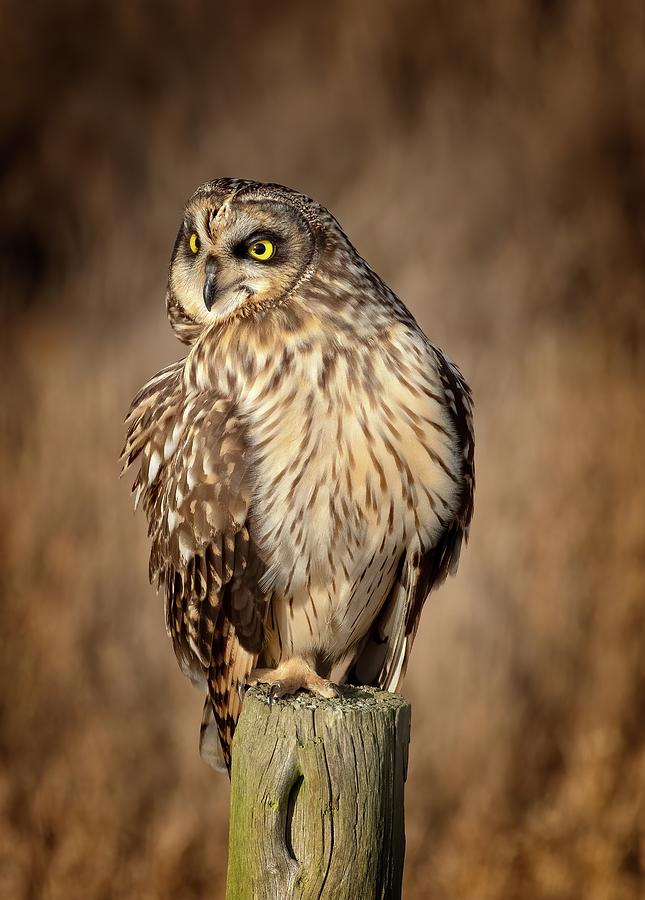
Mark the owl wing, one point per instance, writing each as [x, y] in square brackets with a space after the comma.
[193, 477]
[383, 657]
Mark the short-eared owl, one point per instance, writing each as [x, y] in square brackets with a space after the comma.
[306, 469]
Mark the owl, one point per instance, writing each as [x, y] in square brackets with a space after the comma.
[307, 467]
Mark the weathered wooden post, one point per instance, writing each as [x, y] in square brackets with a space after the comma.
[317, 797]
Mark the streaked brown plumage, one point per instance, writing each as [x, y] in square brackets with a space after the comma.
[307, 469]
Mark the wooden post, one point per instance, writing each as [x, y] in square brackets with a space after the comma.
[317, 797]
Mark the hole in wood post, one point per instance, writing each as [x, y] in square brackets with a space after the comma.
[291, 805]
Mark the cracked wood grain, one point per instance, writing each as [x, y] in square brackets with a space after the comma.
[317, 797]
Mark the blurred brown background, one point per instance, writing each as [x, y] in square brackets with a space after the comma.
[489, 160]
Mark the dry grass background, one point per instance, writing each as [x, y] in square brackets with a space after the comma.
[488, 160]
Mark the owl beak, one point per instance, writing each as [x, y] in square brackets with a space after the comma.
[210, 285]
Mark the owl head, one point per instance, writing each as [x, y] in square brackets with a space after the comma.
[243, 246]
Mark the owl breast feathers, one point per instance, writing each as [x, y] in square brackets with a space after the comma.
[306, 470]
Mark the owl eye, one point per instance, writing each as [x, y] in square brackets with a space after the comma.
[261, 250]
[193, 243]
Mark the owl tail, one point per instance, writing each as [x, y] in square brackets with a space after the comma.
[210, 746]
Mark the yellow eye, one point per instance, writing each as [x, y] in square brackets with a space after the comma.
[262, 250]
[193, 243]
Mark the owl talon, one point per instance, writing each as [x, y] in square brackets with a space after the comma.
[275, 692]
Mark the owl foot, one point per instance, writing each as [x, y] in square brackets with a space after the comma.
[292, 676]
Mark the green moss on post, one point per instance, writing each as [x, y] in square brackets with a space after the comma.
[317, 797]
